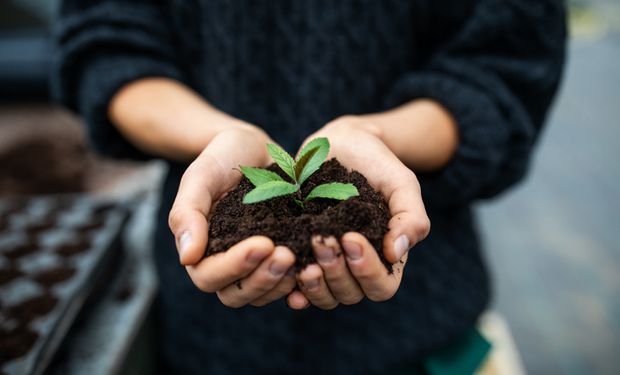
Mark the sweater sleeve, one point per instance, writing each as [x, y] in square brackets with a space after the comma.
[497, 75]
[101, 46]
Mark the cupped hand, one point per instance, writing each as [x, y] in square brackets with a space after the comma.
[356, 143]
[253, 271]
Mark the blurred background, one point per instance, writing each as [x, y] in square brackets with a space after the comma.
[552, 242]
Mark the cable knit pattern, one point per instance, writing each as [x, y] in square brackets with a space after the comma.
[290, 67]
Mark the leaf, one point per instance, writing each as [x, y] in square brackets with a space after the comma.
[259, 176]
[314, 161]
[303, 161]
[269, 190]
[299, 203]
[333, 190]
[283, 159]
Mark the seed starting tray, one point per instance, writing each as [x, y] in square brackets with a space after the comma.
[53, 252]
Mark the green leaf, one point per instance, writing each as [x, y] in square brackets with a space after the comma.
[299, 203]
[259, 176]
[269, 190]
[283, 159]
[333, 190]
[315, 160]
[303, 161]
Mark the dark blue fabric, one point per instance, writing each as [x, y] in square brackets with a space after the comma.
[290, 67]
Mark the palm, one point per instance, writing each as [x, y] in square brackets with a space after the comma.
[255, 262]
[348, 281]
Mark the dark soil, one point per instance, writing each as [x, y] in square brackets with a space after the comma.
[17, 204]
[33, 308]
[54, 276]
[16, 342]
[24, 172]
[73, 248]
[287, 224]
[8, 274]
[43, 225]
[21, 250]
[95, 223]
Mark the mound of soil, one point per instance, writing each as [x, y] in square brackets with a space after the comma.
[54, 276]
[16, 342]
[23, 171]
[287, 224]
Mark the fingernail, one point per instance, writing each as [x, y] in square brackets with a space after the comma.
[401, 245]
[312, 284]
[325, 254]
[278, 269]
[353, 250]
[184, 242]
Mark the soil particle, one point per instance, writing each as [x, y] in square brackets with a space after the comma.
[95, 223]
[53, 276]
[33, 308]
[8, 274]
[15, 343]
[42, 226]
[21, 250]
[73, 248]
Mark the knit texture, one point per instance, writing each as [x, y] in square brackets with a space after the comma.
[290, 67]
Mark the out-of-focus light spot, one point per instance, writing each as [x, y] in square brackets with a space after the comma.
[589, 22]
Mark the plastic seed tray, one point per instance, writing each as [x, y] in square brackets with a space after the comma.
[53, 253]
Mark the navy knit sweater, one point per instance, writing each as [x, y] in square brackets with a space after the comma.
[290, 67]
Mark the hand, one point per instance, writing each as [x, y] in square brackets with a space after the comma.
[356, 143]
[253, 271]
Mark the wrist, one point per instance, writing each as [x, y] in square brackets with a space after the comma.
[166, 118]
[422, 133]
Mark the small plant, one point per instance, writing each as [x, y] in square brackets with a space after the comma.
[269, 184]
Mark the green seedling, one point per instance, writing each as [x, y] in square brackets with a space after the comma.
[269, 184]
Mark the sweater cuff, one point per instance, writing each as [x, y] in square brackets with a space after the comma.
[100, 48]
[483, 134]
[100, 80]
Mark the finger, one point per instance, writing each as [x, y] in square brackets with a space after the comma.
[191, 233]
[409, 223]
[296, 300]
[283, 288]
[312, 284]
[259, 282]
[363, 261]
[222, 269]
[187, 219]
[339, 280]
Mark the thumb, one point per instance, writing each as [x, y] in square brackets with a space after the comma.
[188, 216]
[190, 230]
[205, 181]
[409, 223]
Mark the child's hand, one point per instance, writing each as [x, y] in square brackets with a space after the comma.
[360, 273]
[254, 271]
